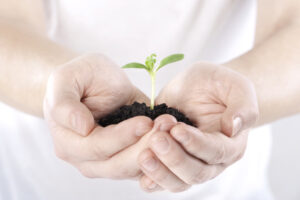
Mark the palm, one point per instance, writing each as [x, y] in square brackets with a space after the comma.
[201, 93]
[221, 103]
[103, 85]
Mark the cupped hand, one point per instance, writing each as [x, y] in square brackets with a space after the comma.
[223, 106]
[80, 92]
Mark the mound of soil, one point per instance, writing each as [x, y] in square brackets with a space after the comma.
[137, 109]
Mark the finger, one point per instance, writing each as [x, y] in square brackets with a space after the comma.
[212, 148]
[102, 143]
[148, 185]
[107, 169]
[70, 146]
[164, 122]
[62, 100]
[184, 166]
[157, 172]
[114, 138]
[242, 108]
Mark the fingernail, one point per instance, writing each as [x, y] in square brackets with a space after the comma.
[150, 164]
[237, 125]
[160, 145]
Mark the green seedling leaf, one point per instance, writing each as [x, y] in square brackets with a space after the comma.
[149, 66]
[135, 65]
[150, 61]
[170, 59]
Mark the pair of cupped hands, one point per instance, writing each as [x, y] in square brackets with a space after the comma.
[162, 154]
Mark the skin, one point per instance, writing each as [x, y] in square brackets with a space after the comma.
[80, 92]
[208, 149]
[223, 106]
[275, 55]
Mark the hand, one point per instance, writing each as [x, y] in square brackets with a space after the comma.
[223, 106]
[78, 93]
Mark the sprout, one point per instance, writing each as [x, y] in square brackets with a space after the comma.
[150, 67]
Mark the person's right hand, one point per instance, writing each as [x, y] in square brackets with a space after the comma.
[80, 92]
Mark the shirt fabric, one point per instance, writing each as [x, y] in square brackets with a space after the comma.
[126, 31]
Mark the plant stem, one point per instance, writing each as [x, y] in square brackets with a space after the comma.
[153, 74]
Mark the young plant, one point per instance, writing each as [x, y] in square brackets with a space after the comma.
[151, 69]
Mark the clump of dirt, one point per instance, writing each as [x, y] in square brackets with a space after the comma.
[137, 109]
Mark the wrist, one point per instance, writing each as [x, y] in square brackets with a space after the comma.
[240, 65]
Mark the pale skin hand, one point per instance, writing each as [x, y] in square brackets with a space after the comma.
[275, 57]
[80, 92]
[223, 106]
[276, 53]
[34, 60]
[211, 96]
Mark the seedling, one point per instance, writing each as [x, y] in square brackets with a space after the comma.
[151, 69]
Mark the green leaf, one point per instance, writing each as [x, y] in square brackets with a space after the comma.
[150, 61]
[135, 65]
[170, 59]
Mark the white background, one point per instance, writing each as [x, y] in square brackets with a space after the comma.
[284, 168]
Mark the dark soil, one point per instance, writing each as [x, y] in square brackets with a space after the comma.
[137, 109]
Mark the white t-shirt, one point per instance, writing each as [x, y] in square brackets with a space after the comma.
[126, 31]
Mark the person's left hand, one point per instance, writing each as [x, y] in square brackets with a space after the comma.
[223, 106]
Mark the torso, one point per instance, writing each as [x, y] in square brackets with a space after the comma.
[126, 31]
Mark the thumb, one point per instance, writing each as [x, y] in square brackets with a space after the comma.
[164, 122]
[63, 105]
[241, 106]
[74, 115]
[238, 117]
